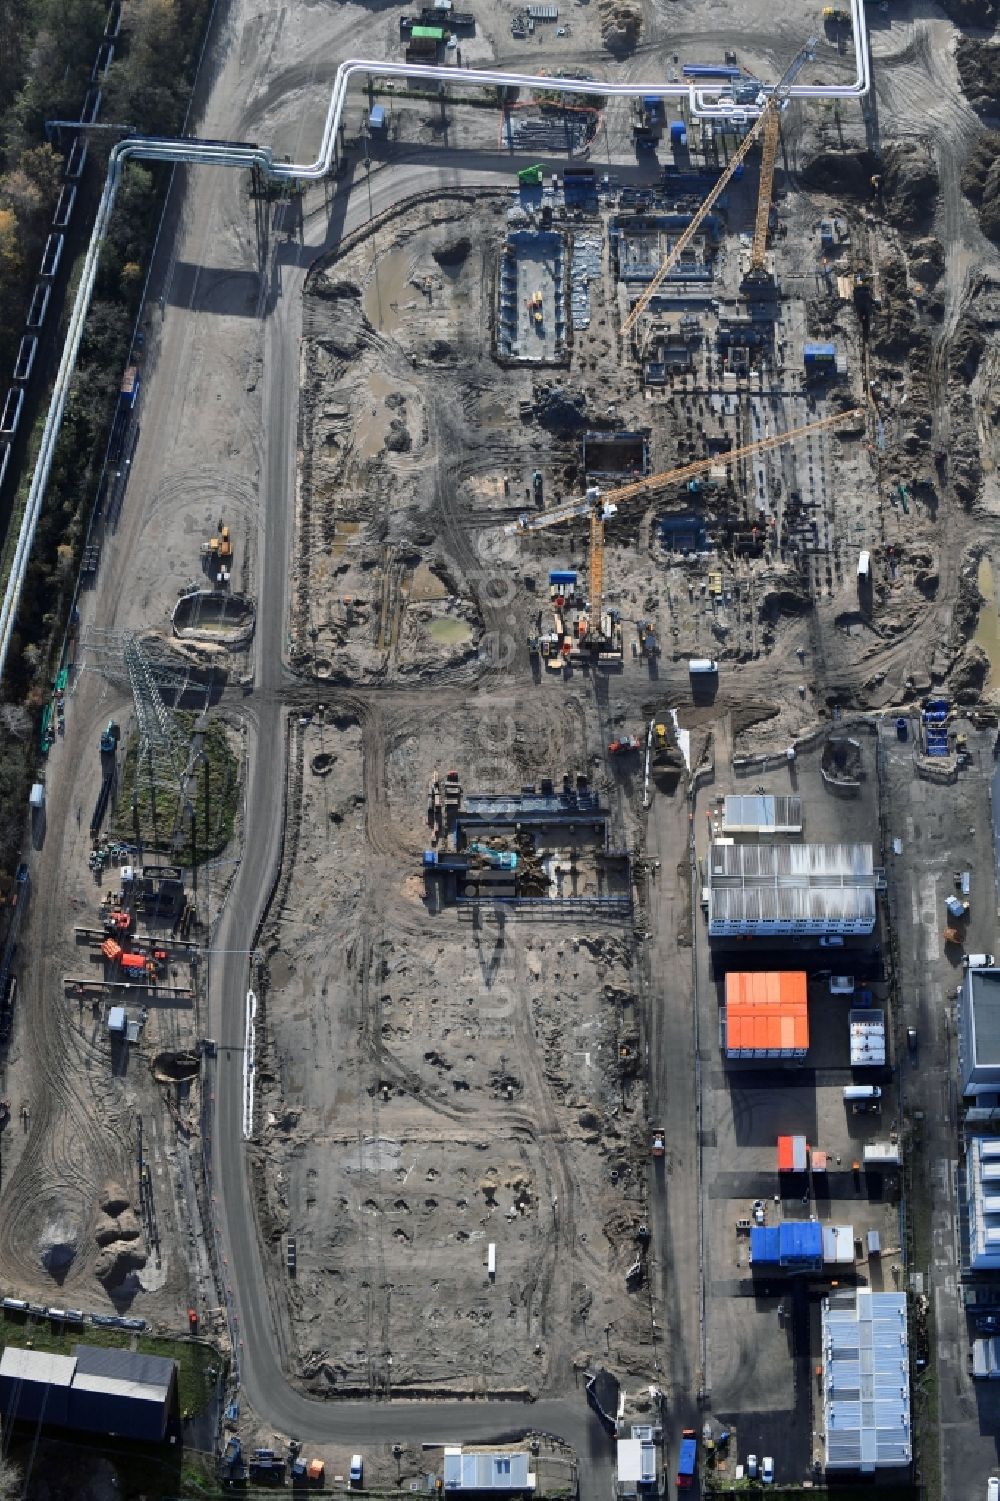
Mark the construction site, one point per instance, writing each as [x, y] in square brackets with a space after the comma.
[516, 808]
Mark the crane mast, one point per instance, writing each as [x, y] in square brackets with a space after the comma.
[767, 122]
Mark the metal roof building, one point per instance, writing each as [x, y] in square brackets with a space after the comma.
[795, 1245]
[979, 1032]
[498, 1470]
[121, 1391]
[866, 1381]
[986, 1358]
[94, 1390]
[635, 1470]
[761, 813]
[766, 1015]
[981, 1241]
[35, 1384]
[867, 1038]
[765, 889]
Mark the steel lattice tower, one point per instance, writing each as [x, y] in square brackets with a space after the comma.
[162, 752]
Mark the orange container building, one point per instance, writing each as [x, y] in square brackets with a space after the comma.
[767, 1015]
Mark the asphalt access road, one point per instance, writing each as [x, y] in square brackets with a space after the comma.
[263, 1379]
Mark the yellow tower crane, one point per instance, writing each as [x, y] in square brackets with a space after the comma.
[768, 121]
[597, 506]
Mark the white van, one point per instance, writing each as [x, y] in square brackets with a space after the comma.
[862, 1092]
[979, 961]
[699, 666]
[357, 1471]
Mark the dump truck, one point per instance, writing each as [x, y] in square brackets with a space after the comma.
[657, 1145]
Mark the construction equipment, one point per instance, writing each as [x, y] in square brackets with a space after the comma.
[625, 745]
[110, 738]
[218, 555]
[530, 177]
[600, 507]
[657, 1146]
[771, 110]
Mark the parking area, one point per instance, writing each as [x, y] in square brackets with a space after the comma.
[763, 1334]
[943, 830]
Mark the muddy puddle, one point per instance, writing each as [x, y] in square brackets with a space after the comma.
[988, 627]
[375, 419]
[448, 632]
[388, 291]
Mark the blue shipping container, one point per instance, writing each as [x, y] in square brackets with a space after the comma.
[819, 352]
[562, 576]
[709, 70]
[688, 1460]
[764, 1245]
[376, 120]
[678, 132]
[800, 1242]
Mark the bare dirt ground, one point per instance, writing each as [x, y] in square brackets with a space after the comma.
[434, 1084]
[429, 1086]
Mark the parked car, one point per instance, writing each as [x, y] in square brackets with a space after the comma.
[911, 1039]
[767, 1470]
[357, 1470]
[833, 941]
[993, 1489]
[841, 984]
[988, 1323]
[751, 1467]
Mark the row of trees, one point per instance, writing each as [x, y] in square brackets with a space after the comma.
[47, 50]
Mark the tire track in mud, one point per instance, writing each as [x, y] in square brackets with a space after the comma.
[76, 1140]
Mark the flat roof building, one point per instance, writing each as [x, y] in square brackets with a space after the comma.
[496, 1470]
[35, 1385]
[758, 890]
[94, 1390]
[979, 1032]
[981, 1241]
[635, 1471]
[761, 813]
[867, 1037]
[766, 1015]
[794, 1246]
[866, 1381]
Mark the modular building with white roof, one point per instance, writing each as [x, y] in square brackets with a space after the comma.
[867, 1037]
[981, 1240]
[760, 890]
[635, 1468]
[494, 1470]
[866, 1382]
[761, 813]
[979, 1032]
